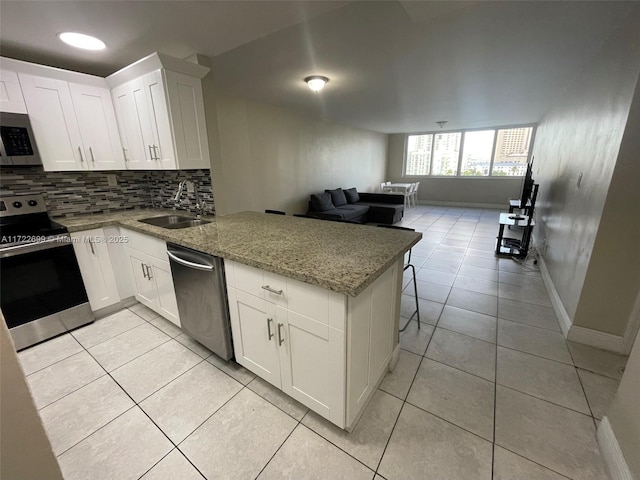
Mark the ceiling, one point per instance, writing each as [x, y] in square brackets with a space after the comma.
[393, 66]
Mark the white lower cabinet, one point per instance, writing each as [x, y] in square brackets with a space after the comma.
[327, 350]
[95, 266]
[151, 274]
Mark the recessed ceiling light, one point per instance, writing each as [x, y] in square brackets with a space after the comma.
[80, 40]
[316, 82]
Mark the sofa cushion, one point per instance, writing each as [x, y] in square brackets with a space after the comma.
[348, 212]
[356, 207]
[337, 197]
[321, 202]
[352, 195]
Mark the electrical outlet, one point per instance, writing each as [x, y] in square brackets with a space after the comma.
[190, 187]
[112, 180]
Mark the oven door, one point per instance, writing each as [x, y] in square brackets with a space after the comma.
[41, 290]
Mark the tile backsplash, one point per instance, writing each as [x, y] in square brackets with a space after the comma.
[69, 194]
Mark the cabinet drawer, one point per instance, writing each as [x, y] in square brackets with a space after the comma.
[258, 283]
[145, 243]
[315, 302]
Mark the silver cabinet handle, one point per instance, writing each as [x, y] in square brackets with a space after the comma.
[280, 337]
[269, 289]
[80, 152]
[269, 334]
[144, 272]
[149, 272]
[91, 153]
[124, 152]
[155, 150]
[91, 245]
[150, 153]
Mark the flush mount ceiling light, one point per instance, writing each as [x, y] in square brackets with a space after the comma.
[80, 40]
[316, 82]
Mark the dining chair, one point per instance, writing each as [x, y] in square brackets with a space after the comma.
[408, 194]
[409, 265]
[415, 193]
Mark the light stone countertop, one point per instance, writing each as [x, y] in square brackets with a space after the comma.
[342, 257]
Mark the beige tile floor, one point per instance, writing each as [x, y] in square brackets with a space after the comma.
[486, 389]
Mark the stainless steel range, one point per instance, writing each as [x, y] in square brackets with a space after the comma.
[41, 290]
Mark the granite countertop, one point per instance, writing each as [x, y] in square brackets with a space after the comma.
[342, 257]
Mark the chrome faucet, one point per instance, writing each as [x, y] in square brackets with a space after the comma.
[181, 186]
[199, 206]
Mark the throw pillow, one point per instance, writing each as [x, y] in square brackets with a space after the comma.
[337, 197]
[352, 195]
[321, 202]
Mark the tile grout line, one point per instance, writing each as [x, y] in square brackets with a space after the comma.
[404, 402]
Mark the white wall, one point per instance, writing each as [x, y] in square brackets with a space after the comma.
[271, 157]
[476, 191]
[623, 414]
[583, 134]
[612, 281]
[25, 450]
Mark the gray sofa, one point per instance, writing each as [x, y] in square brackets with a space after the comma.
[349, 205]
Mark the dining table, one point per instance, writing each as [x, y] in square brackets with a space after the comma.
[397, 187]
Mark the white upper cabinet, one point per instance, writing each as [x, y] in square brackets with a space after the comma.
[134, 124]
[98, 128]
[71, 115]
[160, 113]
[11, 99]
[54, 123]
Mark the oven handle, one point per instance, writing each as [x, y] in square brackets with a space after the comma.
[53, 242]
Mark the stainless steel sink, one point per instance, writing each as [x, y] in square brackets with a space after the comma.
[174, 221]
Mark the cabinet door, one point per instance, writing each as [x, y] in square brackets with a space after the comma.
[98, 128]
[134, 124]
[186, 106]
[254, 335]
[11, 99]
[160, 121]
[95, 267]
[54, 123]
[167, 305]
[312, 360]
[145, 289]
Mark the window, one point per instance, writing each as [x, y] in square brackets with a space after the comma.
[478, 153]
[446, 150]
[419, 154]
[476, 156]
[512, 152]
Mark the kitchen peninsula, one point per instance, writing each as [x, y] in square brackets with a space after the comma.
[325, 329]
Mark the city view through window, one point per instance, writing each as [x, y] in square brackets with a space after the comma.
[492, 152]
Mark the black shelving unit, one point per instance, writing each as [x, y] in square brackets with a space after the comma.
[517, 247]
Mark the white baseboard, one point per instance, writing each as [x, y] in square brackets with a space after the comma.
[556, 302]
[395, 356]
[595, 338]
[611, 452]
[493, 206]
[116, 307]
[575, 333]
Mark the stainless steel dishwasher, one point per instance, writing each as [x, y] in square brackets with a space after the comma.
[201, 293]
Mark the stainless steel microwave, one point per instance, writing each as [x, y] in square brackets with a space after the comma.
[18, 146]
